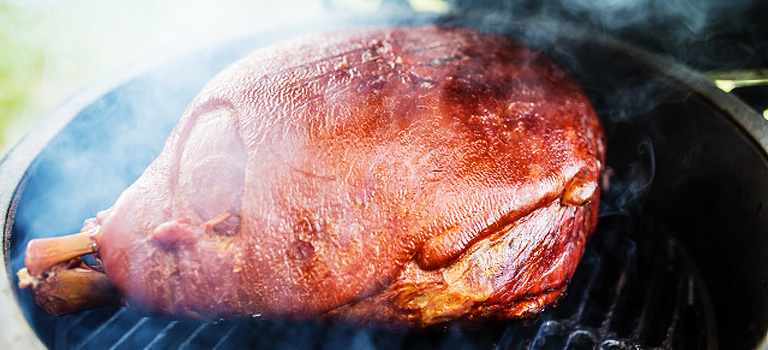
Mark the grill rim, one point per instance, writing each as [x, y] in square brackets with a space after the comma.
[17, 162]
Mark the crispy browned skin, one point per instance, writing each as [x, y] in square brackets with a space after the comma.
[391, 176]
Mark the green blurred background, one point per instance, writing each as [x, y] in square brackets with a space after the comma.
[50, 50]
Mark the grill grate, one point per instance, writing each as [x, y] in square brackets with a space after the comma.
[657, 301]
[621, 297]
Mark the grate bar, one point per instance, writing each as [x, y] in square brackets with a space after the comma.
[161, 334]
[587, 291]
[573, 338]
[224, 338]
[130, 332]
[187, 343]
[507, 338]
[613, 344]
[75, 320]
[684, 288]
[605, 325]
[101, 328]
[545, 330]
[648, 301]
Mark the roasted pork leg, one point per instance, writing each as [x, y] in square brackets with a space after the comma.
[394, 176]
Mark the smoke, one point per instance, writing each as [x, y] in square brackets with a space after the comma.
[629, 185]
[706, 34]
[612, 15]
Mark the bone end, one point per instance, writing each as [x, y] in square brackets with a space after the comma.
[66, 290]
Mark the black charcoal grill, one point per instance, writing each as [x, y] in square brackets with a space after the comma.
[679, 260]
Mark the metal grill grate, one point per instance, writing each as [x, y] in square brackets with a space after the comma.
[623, 296]
[664, 307]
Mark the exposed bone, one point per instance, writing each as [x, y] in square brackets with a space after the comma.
[67, 289]
[44, 253]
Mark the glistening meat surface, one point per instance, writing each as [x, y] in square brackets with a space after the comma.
[390, 176]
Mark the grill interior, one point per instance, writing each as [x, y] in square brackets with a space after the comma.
[628, 296]
[645, 280]
[624, 295]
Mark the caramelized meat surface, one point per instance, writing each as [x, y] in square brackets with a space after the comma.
[389, 176]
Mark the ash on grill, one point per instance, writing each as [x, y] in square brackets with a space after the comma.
[621, 297]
